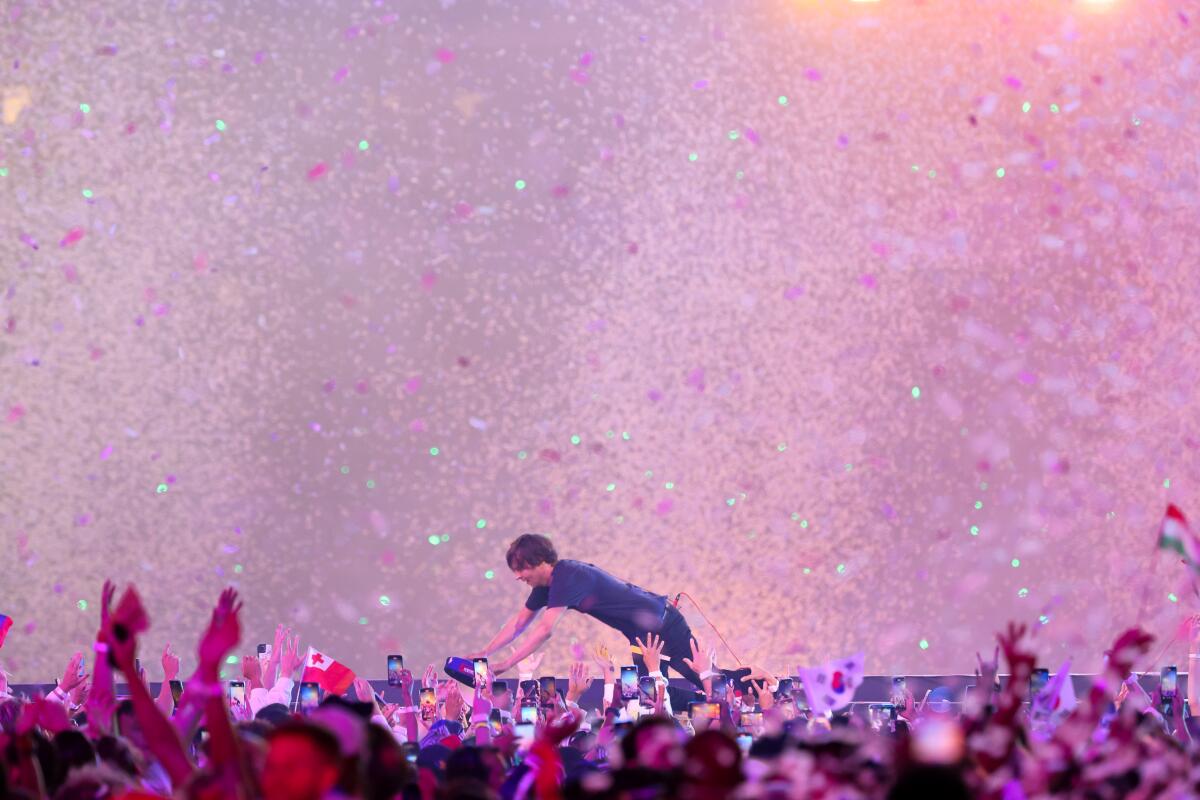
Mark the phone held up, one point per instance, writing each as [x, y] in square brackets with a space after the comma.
[395, 665]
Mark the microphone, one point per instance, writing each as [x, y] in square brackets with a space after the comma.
[675, 602]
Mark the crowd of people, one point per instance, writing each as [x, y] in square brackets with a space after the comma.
[747, 735]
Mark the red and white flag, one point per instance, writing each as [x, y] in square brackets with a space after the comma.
[1175, 534]
[333, 676]
[833, 685]
[1058, 696]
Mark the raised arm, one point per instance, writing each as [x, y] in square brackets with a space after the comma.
[536, 638]
[515, 626]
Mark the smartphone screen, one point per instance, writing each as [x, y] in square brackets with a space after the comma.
[495, 722]
[530, 688]
[899, 688]
[647, 691]
[720, 689]
[499, 688]
[745, 741]
[395, 665]
[176, 690]
[480, 669]
[310, 696]
[752, 719]
[237, 695]
[629, 683]
[428, 703]
[529, 712]
[1170, 677]
[549, 690]
[785, 688]
[524, 733]
[1038, 681]
[264, 649]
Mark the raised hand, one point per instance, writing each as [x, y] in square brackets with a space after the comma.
[698, 663]
[765, 699]
[363, 691]
[1129, 646]
[652, 649]
[223, 633]
[252, 671]
[578, 681]
[106, 598]
[170, 663]
[603, 659]
[71, 677]
[429, 679]
[406, 684]
[291, 659]
[454, 701]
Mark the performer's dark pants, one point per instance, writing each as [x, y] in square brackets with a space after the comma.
[677, 645]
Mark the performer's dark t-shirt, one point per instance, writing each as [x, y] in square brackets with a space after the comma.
[588, 589]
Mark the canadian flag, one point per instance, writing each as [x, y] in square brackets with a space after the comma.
[832, 686]
[334, 677]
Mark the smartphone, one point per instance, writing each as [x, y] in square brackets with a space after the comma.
[495, 722]
[264, 651]
[524, 733]
[428, 703]
[745, 741]
[785, 688]
[647, 691]
[701, 710]
[176, 690]
[752, 719]
[529, 711]
[529, 688]
[499, 688]
[720, 689]
[1038, 681]
[237, 694]
[395, 665]
[629, 683]
[82, 663]
[899, 691]
[480, 666]
[310, 696]
[549, 690]
[1170, 677]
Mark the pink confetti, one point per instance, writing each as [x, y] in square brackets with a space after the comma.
[560, 191]
[463, 210]
[752, 136]
[29, 240]
[695, 379]
[793, 292]
[73, 236]
[1013, 82]
[700, 84]
[15, 414]
[444, 55]
[654, 395]
[106, 453]
[429, 280]
[868, 280]
[585, 59]
[550, 455]
[328, 386]
[664, 507]
[362, 387]
[412, 385]
[632, 248]
[417, 425]
[317, 171]
[545, 506]
[341, 74]
[812, 74]
[580, 76]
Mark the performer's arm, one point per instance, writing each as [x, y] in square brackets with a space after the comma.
[515, 626]
[536, 638]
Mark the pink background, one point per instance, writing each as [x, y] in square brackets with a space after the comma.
[234, 371]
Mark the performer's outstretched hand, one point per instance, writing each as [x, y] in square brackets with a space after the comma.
[652, 649]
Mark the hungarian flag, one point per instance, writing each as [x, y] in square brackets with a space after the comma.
[1058, 696]
[334, 677]
[833, 685]
[1175, 534]
[5, 624]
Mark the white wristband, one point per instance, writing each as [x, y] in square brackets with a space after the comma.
[406, 710]
[657, 674]
[706, 675]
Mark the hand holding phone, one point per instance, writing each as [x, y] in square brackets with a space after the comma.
[480, 669]
[1168, 682]
[310, 696]
[395, 666]
[629, 683]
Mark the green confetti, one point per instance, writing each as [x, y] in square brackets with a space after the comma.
[733, 136]
[433, 451]
[1172, 597]
[611, 487]
[1022, 592]
[237, 568]
[916, 392]
[933, 173]
[3, 172]
[445, 538]
[520, 184]
[220, 124]
[82, 604]
[841, 569]
[364, 145]
[434, 539]
[362, 620]
[481, 524]
[1043, 619]
[87, 193]
[370, 484]
[803, 523]
[668, 485]
[783, 101]
[974, 530]
[231, 660]
[489, 574]
[1054, 108]
[576, 440]
[1016, 562]
[978, 504]
[162, 488]
[345, 470]
[781, 446]
[923, 644]
[521, 454]
[85, 108]
[384, 600]
[807, 571]
[1000, 172]
[730, 501]
[693, 156]
[625, 435]
[1026, 106]
[1167, 483]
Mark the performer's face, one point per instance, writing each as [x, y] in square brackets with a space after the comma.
[534, 576]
